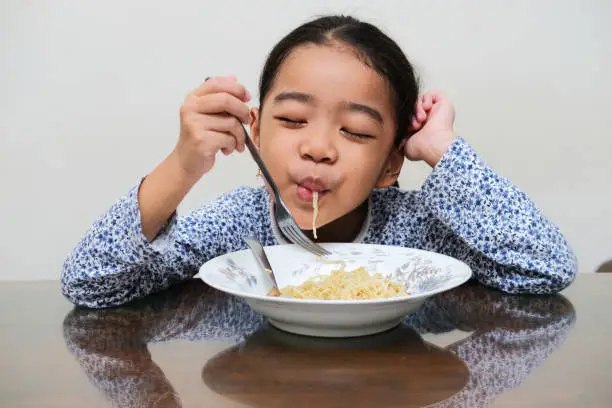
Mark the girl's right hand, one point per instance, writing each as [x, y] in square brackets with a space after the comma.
[210, 122]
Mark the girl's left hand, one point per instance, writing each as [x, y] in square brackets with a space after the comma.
[433, 127]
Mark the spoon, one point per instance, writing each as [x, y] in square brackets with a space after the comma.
[262, 261]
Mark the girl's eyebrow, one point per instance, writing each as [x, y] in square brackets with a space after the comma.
[295, 96]
[346, 105]
[358, 107]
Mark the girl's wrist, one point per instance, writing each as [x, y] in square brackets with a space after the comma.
[437, 147]
[181, 174]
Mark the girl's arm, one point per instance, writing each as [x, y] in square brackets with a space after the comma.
[487, 222]
[138, 247]
[115, 262]
[481, 217]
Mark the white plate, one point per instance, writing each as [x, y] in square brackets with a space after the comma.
[423, 273]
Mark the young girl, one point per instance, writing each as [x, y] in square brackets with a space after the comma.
[339, 109]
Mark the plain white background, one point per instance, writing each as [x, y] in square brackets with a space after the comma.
[90, 93]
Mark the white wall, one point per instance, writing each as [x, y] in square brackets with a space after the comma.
[90, 90]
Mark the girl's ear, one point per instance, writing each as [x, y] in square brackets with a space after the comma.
[255, 126]
[392, 169]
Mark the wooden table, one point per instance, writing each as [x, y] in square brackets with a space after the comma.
[194, 347]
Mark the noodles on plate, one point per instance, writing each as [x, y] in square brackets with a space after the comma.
[346, 285]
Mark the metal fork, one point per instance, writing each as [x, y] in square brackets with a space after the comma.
[284, 219]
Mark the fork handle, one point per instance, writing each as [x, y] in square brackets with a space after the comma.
[255, 153]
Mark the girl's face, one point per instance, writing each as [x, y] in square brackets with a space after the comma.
[327, 125]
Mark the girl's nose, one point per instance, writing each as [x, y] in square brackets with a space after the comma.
[319, 148]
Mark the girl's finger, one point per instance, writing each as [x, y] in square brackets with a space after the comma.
[416, 125]
[437, 96]
[227, 84]
[230, 125]
[421, 115]
[223, 103]
[427, 101]
[225, 142]
[239, 134]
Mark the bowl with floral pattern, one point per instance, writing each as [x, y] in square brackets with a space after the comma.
[421, 273]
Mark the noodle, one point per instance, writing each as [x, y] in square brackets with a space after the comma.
[346, 285]
[315, 206]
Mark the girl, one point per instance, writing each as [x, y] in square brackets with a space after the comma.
[339, 109]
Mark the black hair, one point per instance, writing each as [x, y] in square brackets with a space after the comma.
[373, 46]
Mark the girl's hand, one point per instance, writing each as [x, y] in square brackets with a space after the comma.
[433, 127]
[210, 122]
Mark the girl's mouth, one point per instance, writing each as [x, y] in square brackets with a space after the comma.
[306, 194]
[307, 187]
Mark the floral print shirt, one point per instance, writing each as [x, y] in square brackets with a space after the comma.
[464, 210]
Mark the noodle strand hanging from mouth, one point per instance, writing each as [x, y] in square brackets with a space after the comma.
[315, 213]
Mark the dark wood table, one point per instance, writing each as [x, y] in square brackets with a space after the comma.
[194, 347]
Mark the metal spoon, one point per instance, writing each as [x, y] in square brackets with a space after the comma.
[262, 261]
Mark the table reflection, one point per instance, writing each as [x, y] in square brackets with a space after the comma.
[509, 337]
[274, 369]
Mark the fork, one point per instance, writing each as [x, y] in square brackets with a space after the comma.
[283, 216]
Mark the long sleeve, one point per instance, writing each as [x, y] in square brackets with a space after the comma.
[488, 223]
[114, 263]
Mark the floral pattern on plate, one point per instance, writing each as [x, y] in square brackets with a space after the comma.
[236, 273]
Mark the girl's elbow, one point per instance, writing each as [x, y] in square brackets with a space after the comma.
[567, 271]
[554, 274]
[82, 295]
[553, 278]
[89, 291]
[76, 291]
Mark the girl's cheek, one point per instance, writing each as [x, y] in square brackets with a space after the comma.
[275, 146]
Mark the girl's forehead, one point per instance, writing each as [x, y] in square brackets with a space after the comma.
[332, 74]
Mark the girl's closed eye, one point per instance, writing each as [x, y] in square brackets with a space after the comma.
[357, 135]
[291, 122]
[298, 123]
[359, 127]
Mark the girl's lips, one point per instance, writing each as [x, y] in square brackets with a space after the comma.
[305, 194]
[312, 184]
[306, 187]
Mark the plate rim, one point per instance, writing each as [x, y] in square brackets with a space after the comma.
[398, 299]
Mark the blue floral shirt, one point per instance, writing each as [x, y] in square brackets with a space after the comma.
[464, 210]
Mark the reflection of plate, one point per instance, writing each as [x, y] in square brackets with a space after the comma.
[392, 369]
[423, 273]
